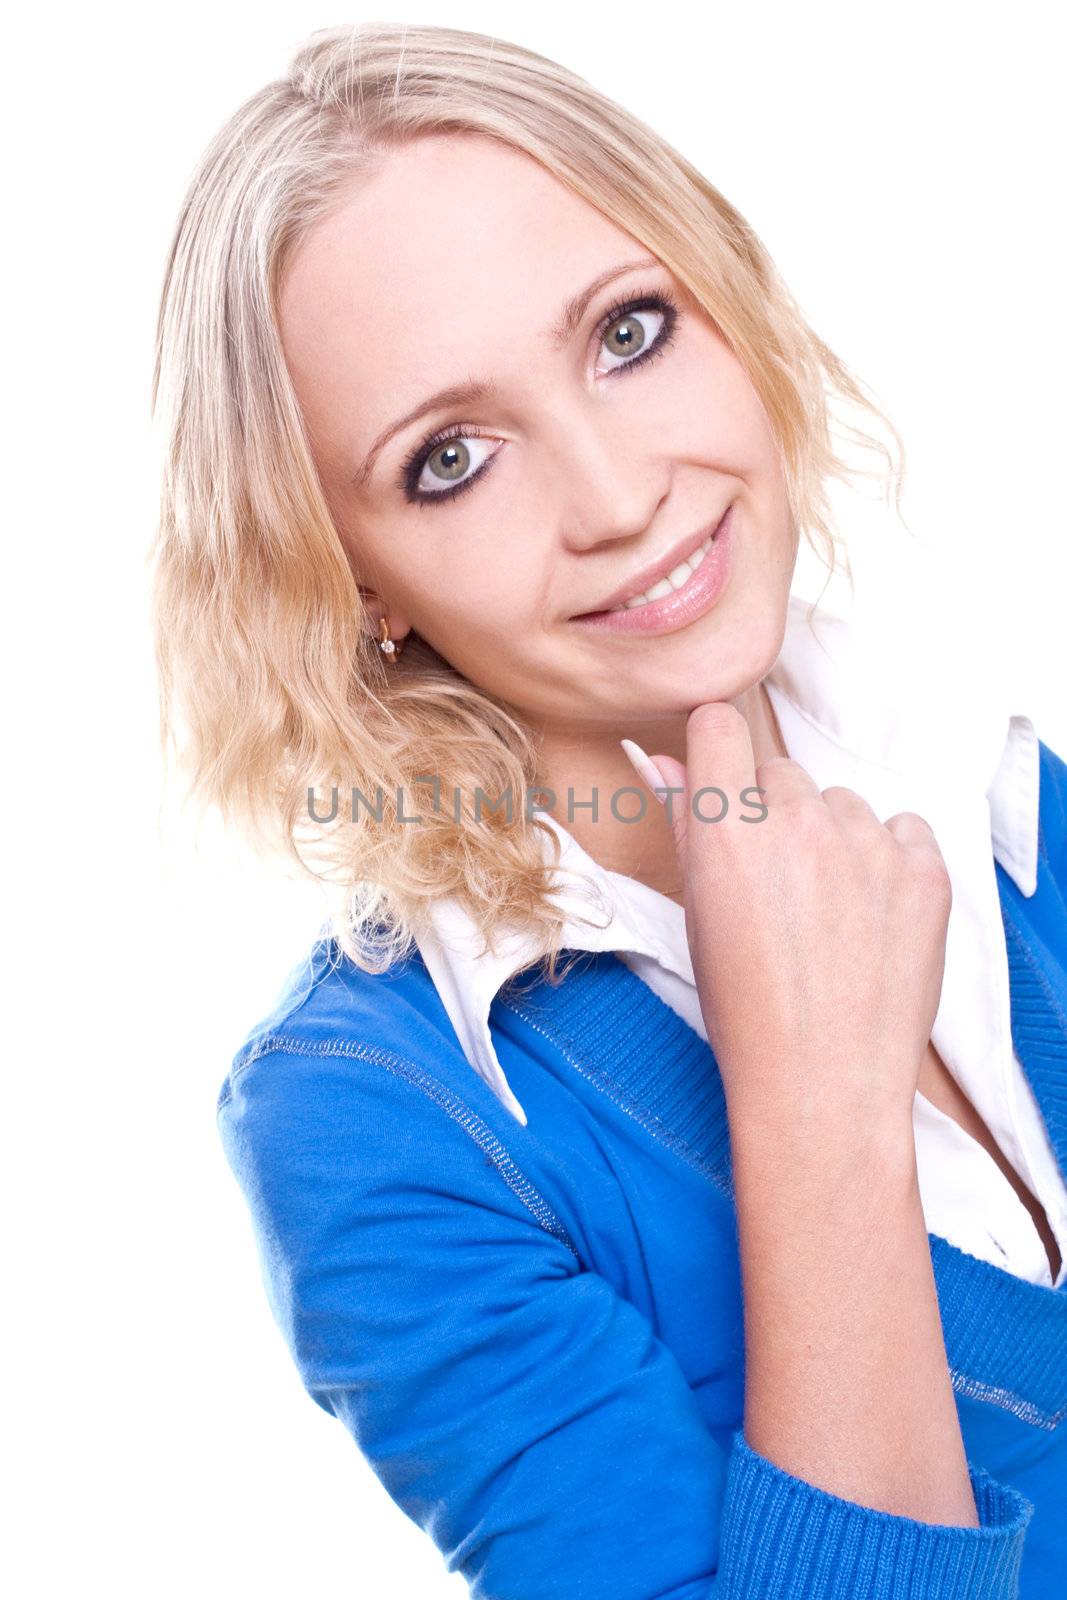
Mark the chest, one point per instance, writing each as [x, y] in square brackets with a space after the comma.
[941, 1089]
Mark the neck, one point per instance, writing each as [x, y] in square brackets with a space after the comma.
[592, 763]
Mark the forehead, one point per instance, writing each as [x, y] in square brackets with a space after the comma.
[428, 270]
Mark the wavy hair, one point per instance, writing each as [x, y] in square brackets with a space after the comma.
[271, 686]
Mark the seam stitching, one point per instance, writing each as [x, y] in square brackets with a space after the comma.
[975, 1389]
[646, 1119]
[477, 1130]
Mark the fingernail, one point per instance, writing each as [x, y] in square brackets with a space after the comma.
[645, 768]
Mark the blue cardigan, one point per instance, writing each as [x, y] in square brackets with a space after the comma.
[535, 1333]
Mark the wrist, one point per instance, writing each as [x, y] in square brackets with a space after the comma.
[868, 1142]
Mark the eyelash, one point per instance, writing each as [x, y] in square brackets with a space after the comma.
[411, 470]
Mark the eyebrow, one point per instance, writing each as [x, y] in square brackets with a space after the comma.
[476, 390]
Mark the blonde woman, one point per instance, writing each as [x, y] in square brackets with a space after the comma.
[661, 1177]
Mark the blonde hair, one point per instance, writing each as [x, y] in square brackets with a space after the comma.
[271, 684]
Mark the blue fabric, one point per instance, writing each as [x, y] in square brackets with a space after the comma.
[535, 1334]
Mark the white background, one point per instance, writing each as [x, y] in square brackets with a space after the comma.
[903, 163]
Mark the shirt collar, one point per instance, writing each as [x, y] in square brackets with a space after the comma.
[849, 682]
[922, 697]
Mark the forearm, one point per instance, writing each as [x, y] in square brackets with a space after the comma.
[846, 1376]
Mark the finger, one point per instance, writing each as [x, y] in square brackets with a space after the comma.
[910, 828]
[849, 803]
[784, 780]
[719, 762]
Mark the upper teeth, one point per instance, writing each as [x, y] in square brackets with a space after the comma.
[674, 580]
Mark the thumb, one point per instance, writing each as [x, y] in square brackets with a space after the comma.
[666, 779]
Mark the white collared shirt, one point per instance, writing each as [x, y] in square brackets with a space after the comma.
[855, 708]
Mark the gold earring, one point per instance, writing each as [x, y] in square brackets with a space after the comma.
[390, 648]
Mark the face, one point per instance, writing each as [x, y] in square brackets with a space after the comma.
[611, 432]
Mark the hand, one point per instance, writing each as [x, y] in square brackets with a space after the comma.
[817, 933]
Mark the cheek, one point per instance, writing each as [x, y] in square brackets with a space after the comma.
[486, 619]
[716, 413]
[491, 585]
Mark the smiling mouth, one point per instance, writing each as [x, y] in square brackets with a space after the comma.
[669, 584]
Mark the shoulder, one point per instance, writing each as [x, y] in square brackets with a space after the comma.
[327, 1003]
[337, 1033]
[336, 1022]
[359, 1078]
[352, 1099]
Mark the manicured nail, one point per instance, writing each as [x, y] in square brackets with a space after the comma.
[645, 768]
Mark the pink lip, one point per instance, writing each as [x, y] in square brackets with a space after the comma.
[675, 610]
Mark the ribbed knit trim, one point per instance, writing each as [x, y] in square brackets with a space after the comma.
[619, 1034]
[787, 1538]
[1039, 1029]
[1006, 1338]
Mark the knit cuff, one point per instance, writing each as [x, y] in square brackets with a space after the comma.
[785, 1539]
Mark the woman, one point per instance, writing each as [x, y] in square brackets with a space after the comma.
[724, 1257]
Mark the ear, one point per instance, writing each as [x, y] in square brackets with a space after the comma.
[373, 603]
[377, 607]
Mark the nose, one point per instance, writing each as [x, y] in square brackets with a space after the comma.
[611, 483]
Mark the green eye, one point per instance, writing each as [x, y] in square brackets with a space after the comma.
[449, 461]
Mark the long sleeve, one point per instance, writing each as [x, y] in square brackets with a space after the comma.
[514, 1405]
